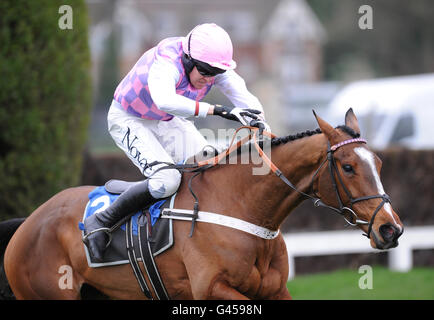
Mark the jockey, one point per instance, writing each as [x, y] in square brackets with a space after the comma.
[147, 117]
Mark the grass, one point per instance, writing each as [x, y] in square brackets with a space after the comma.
[418, 284]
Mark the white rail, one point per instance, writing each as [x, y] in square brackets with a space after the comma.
[346, 242]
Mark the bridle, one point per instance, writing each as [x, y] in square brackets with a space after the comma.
[352, 219]
[342, 210]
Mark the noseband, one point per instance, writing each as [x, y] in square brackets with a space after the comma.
[343, 210]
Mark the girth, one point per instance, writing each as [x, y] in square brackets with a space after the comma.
[145, 252]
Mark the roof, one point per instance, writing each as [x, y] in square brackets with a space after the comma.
[295, 19]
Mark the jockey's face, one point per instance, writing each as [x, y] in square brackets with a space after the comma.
[197, 80]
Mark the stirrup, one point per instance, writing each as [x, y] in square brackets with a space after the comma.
[108, 231]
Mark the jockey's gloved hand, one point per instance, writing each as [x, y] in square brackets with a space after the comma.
[261, 124]
[237, 114]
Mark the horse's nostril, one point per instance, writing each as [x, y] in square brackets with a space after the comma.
[388, 232]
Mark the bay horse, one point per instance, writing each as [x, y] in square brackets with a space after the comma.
[333, 166]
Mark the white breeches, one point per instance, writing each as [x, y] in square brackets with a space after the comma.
[145, 141]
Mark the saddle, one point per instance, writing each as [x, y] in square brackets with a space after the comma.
[141, 237]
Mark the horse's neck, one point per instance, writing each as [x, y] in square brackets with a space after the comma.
[266, 200]
[298, 161]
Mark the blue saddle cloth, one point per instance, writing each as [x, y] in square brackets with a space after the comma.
[115, 254]
[100, 199]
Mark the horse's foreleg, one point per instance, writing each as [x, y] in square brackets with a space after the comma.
[211, 285]
[222, 291]
[282, 295]
[279, 265]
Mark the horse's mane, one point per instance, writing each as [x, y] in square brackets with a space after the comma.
[282, 140]
[308, 133]
[349, 131]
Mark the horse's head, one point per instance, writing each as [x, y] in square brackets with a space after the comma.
[350, 182]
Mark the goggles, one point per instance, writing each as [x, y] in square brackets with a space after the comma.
[206, 70]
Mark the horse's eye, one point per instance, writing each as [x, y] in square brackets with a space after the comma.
[348, 168]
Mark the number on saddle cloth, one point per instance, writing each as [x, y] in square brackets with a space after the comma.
[100, 199]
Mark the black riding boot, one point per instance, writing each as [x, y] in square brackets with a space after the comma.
[130, 201]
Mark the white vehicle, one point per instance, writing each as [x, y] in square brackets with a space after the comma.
[395, 111]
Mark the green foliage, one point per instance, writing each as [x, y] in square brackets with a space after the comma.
[45, 101]
[344, 285]
[109, 77]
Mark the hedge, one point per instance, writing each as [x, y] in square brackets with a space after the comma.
[45, 101]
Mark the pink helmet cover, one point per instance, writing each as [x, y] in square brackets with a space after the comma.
[211, 44]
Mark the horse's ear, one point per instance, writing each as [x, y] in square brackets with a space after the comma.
[326, 128]
[351, 120]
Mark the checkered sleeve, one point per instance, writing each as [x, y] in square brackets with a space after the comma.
[162, 80]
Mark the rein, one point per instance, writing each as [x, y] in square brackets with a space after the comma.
[352, 219]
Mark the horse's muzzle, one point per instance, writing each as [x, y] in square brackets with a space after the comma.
[390, 235]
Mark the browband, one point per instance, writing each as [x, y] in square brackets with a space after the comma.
[340, 144]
